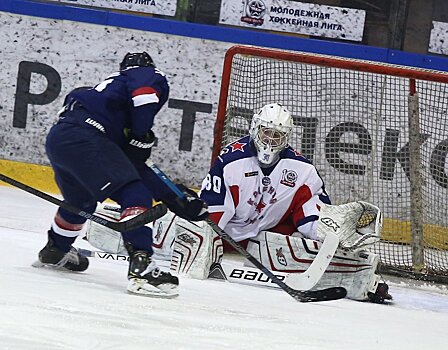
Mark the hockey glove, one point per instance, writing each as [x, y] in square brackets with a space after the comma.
[190, 208]
[139, 147]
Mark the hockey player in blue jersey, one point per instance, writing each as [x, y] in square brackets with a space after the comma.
[98, 150]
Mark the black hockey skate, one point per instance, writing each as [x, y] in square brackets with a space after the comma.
[146, 278]
[51, 256]
[381, 295]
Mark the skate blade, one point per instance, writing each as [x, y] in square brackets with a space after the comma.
[141, 287]
[38, 264]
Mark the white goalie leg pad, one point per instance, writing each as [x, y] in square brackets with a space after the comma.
[104, 238]
[357, 224]
[163, 235]
[111, 241]
[196, 248]
[355, 271]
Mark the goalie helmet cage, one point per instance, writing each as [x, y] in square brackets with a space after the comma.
[375, 132]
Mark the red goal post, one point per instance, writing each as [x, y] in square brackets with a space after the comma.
[376, 132]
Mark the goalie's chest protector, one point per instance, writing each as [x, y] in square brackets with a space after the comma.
[261, 201]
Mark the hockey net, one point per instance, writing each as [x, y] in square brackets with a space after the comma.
[375, 132]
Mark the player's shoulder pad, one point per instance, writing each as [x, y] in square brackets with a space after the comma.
[291, 153]
[138, 77]
[236, 150]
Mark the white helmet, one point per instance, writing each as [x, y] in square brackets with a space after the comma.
[270, 130]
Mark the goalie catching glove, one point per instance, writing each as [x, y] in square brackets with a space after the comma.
[190, 207]
[357, 224]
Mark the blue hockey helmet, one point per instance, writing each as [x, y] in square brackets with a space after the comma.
[141, 59]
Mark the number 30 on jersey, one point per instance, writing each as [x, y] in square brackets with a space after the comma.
[213, 183]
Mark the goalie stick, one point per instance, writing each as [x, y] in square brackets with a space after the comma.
[299, 295]
[146, 217]
[303, 296]
[309, 278]
[102, 255]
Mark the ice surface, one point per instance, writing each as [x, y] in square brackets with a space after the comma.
[45, 309]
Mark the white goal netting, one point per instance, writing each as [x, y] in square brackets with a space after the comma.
[375, 132]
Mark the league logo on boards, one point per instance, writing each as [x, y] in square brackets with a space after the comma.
[289, 178]
[254, 12]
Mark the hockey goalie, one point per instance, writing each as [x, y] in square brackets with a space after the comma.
[271, 199]
[262, 191]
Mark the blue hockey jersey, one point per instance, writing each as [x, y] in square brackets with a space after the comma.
[127, 99]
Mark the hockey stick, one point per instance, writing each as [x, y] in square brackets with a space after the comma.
[102, 255]
[302, 296]
[148, 216]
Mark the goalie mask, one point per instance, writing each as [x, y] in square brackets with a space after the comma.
[140, 59]
[270, 130]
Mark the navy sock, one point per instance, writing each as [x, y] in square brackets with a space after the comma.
[61, 242]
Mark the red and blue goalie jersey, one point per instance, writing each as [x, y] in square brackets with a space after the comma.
[243, 200]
